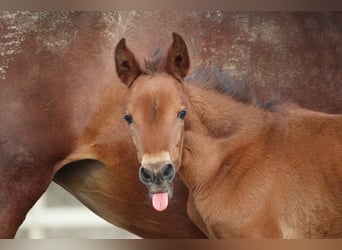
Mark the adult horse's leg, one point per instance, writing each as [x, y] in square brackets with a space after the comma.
[47, 95]
[20, 188]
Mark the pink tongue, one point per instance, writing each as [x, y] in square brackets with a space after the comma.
[160, 201]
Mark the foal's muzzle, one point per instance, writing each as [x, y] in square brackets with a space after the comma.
[152, 173]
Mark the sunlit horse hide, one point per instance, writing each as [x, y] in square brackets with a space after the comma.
[61, 102]
[256, 170]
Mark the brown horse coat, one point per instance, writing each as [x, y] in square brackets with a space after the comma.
[271, 174]
[251, 172]
[56, 67]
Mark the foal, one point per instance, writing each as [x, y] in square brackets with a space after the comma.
[251, 172]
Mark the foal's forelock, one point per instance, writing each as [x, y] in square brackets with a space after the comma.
[154, 65]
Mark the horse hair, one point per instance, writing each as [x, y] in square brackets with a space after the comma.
[214, 78]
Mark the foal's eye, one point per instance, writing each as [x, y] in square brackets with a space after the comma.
[128, 118]
[182, 114]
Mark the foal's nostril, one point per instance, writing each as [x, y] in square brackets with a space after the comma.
[168, 171]
[145, 175]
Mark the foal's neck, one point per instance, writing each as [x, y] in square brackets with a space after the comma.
[216, 128]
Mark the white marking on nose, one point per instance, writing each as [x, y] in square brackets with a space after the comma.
[154, 158]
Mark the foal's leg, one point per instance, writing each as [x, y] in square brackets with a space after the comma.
[20, 188]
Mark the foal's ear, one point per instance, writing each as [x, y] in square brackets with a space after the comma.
[178, 61]
[126, 65]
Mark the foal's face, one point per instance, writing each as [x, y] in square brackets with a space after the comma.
[155, 112]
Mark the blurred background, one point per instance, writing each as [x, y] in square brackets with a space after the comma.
[57, 214]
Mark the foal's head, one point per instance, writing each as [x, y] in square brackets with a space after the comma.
[155, 112]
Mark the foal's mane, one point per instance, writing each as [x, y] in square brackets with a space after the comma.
[213, 78]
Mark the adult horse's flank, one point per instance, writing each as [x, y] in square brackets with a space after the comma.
[251, 171]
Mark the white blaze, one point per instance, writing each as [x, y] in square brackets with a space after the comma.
[154, 158]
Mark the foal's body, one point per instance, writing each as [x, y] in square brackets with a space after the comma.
[251, 172]
[257, 173]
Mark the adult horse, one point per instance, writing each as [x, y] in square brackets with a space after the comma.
[59, 95]
[251, 171]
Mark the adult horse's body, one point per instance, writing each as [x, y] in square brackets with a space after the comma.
[250, 171]
[60, 108]
[60, 98]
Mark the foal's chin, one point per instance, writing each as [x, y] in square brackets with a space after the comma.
[160, 195]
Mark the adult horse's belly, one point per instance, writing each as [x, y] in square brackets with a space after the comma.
[115, 195]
